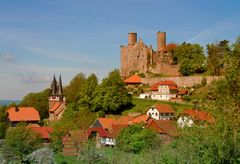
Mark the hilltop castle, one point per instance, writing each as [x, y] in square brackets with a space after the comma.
[138, 57]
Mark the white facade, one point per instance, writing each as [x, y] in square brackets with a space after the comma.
[155, 114]
[185, 121]
[163, 93]
[107, 141]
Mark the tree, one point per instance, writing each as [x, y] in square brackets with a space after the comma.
[74, 87]
[217, 54]
[3, 120]
[218, 142]
[190, 57]
[39, 101]
[135, 138]
[19, 142]
[87, 93]
[112, 96]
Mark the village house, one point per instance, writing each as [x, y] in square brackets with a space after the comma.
[44, 133]
[57, 101]
[164, 90]
[101, 136]
[161, 112]
[105, 130]
[165, 128]
[133, 81]
[192, 116]
[28, 115]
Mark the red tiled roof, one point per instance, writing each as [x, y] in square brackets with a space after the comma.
[182, 91]
[44, 132]
[134, 79]
[124, 120]
[164, 127]
[164, 108]
[171, 84]
[106, 122]
[23, 114]
[116, 128]
[55, 106]
[102, 132]
[199, 115]
[143, 118]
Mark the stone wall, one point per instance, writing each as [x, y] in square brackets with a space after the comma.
[182, 81]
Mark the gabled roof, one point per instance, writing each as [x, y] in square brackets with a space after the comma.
[141, 119]
[124, 120]
[23, 114]
[134, 79]
[106, 122]
[199, 115]
[102, 132]
[55, 106]
[164, 108]
[171, 84]
[164, 127]
[44, 132]
[116, 128]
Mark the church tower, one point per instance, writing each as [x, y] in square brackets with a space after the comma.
[57, 101]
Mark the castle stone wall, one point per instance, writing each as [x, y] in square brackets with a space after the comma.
[182, 81]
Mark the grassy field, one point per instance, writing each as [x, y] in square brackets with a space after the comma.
[142, 105]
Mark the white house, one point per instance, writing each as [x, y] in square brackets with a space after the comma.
[189, 117]
[161, 112]
[164, 90]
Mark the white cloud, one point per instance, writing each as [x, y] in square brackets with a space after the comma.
[34, 78]
[7, 57]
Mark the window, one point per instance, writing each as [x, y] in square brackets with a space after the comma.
[156, 114]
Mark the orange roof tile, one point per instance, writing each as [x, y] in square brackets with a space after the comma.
[164, 108]
[44, 132]
[134, 79]
[164, 127]
[106, 122]
[124, 120]
[23, 114]
[143, 118]
[199, 115]
[171, 84]
[116, 128]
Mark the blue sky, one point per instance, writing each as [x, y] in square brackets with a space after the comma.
[40, 38]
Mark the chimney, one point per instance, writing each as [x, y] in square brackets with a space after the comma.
[16, 109]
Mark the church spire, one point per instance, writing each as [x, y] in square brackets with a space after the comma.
[54, 86]
[60, 88]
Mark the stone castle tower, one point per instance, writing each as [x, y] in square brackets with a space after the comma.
[138, 57]
[57, 101]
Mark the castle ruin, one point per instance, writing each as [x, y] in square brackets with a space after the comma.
[138, 57]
